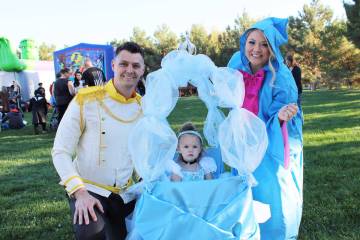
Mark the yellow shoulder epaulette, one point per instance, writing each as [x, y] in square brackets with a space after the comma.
[90, 94]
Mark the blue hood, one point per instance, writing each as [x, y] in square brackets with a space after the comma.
[274, 30]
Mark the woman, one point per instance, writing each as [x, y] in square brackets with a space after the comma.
[78, 82]
[271, 94]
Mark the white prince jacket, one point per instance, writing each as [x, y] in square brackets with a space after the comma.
[95, 129]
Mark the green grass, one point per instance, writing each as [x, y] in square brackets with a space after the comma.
[34, 206]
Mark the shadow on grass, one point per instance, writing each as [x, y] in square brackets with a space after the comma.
[331, 122]
[331, 192]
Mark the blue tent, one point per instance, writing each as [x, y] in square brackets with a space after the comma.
[74, 57]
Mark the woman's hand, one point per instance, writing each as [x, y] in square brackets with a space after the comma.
[84, 206]
[287, 112]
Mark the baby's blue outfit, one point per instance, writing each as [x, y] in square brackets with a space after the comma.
[206, 165]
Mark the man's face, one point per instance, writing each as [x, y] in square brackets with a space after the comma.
[128, 69]
[67, 74]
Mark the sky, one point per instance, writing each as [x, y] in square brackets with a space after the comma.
[69, 22]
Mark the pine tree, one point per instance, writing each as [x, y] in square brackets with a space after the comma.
[353, 24]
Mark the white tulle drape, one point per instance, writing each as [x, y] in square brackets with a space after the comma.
[241, 135]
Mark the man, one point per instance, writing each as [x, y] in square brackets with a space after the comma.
[39, 108]
[93, 76]
[40, 90]
[63, 92]
[96, 126]
[296, 72]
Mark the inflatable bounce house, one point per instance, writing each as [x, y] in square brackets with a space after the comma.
[74, 57]
[27, 71]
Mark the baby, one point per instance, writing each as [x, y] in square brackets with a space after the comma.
[193, 166]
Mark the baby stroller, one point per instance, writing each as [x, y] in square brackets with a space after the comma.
[213, 209]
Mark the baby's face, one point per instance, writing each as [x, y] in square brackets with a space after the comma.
[189, 147]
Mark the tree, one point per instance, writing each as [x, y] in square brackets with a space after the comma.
[165, 40]
[152, 56]
[139, 36]
[115, 42]
[229, 40]
[343, 58]
[353, 16]
[46, 52]
[199, 37]
[305, 38]
[214, 47]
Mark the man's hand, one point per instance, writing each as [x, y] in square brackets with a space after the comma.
[84, 205]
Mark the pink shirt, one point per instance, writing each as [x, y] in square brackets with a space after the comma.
[251, 102]
[252, 86]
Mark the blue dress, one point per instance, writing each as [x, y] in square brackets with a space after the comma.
[206, 165]
[278, 186]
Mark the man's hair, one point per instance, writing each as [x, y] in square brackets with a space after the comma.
[131, 47]
[64, 70]
[290, 58]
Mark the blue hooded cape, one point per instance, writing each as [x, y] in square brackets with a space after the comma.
[277, 186]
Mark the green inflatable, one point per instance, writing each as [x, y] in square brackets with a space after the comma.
[29, 50]
[9, 62]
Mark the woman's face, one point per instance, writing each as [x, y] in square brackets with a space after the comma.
[257, 50]
[78, 76]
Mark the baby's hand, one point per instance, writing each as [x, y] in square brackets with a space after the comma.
[175, 178]
[208, 176]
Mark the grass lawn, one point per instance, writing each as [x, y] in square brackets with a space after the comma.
[34, 206]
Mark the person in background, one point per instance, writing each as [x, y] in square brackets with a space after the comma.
[271, 94]
[140, 88]
[16, 87]
[15, 94]
[4, 96]
[93, 76]
[63, 92]
[296, 72]
[78, 81]
[39, 108]
[96, 128]
[13, 119]
[40, 89]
